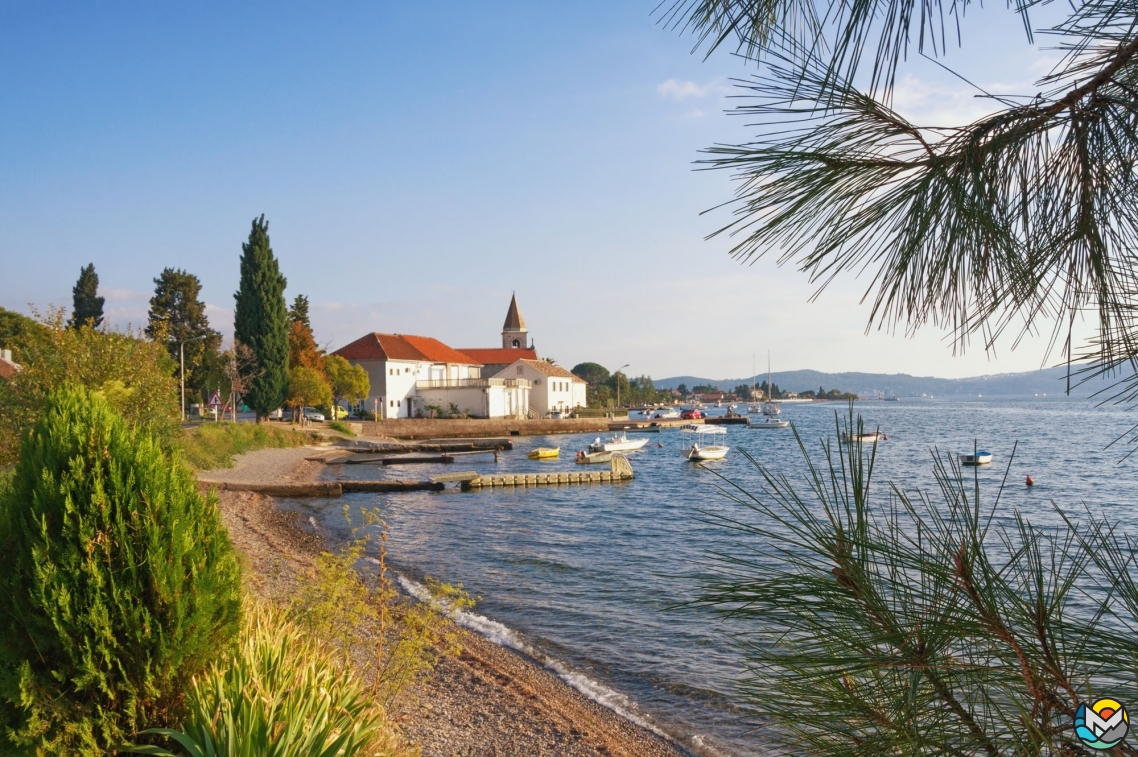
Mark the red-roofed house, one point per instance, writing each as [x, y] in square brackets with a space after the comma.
[552, 388]
[8, 366]
[409, 374]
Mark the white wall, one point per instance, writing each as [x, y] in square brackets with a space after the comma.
[548, 393]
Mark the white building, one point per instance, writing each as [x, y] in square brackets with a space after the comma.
[552, 388]
[410, 374]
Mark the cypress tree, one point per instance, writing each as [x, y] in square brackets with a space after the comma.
[261, 321]
[86, 305]
[117, 582]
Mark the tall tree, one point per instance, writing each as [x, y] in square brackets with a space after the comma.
[349, 382]
[261, 320]
[177, 317]
[86, 304]
[298, 313]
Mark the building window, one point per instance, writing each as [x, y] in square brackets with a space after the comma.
[521, 370]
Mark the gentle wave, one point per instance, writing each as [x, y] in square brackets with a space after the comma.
[504, 636]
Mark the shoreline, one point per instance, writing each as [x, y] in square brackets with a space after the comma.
[490, 700]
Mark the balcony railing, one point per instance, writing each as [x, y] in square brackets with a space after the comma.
[471, 383]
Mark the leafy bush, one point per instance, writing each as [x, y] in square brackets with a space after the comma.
[397, 640]
[926, 626]
[213, 445]
[134, 374]
[117, 582]
[285, 695]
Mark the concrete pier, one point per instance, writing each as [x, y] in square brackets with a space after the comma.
[620, 471]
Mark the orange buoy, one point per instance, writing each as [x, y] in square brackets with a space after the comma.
[1030, 482]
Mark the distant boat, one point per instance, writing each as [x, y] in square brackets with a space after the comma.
[890, 396]
[768, 421]
[617, 443]
[544, 453]
[771, 408]
[667, 414]
[982, 457]
[704, 447]
[590, 458]
[872, 436]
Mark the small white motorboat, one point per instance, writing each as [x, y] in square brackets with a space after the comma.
[705, 446]
[617, 443]
[981, 457]
[871, 436]
[768, 421]
[590, 458]
[667, 414]
[754, 408]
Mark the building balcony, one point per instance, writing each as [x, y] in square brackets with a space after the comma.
[471, 383]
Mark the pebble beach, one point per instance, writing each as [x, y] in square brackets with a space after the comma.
[487, 701]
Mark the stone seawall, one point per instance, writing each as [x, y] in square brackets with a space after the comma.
[460, 428]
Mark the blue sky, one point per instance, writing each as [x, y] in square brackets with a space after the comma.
[420, 162]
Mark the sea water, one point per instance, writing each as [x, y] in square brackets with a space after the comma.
[592, 580]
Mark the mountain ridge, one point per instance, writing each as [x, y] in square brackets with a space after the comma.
[1049, 381]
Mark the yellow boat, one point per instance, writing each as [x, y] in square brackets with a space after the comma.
[544, 453]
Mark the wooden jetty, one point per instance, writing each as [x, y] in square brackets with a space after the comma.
[722, 420]
[620, 470]
[323, 488]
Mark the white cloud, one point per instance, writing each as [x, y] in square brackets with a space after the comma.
[681, 90]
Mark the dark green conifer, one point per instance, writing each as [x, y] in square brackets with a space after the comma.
[117, 583]
[261, 321]
[87, 306]
[177, 317]
[298, 313]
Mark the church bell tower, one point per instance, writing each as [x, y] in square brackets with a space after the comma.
[514, 333]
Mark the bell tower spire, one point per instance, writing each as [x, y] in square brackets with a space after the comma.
[514, 332]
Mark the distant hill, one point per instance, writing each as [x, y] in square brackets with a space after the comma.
[1050, 381]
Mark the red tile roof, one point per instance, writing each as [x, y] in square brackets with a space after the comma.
[498, 355]
[549, 369]
[402, 347]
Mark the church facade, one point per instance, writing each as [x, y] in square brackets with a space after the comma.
[417, 376]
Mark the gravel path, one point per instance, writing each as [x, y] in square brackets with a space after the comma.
[487, 702]
[271, 466]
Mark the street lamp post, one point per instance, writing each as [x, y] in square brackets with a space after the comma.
[182, 368]
[618, 370]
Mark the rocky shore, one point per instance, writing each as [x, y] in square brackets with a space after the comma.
[489, 701]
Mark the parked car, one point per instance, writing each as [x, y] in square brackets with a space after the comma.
[691, 414]
[312, 414]
[277, 415]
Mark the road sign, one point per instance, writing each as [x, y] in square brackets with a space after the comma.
[215, 400]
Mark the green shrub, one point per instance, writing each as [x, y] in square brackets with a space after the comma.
[285, 695]
[213, 445]
[341, 427]
[117, 582]
[134, 374]
[393, 639]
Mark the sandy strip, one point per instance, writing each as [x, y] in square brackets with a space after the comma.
[490, 701]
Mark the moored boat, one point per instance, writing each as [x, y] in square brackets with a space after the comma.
[544, 453]
[667, 414]
[617, 443]
[871, 436]
[981, 457]
[591, 458]
[768, 421]
[705, 448]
